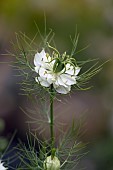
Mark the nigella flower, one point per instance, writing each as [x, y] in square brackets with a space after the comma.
[52, 164]
[56, 70]
[1, 166]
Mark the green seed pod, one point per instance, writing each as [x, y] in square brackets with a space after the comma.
[52, 164]
[58, 66]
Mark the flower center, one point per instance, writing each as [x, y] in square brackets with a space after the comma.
[58, 66]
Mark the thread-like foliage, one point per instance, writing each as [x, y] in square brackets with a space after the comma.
[24, 51]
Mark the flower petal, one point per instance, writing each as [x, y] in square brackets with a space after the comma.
[2, 166]
[62, 89]
[37, 69]
[38, 59]
[50, 78]
[70, 69]
[43, 72]
[46, 58]
[43, 82]
[60, 81]
[68, 79]
[77, 70]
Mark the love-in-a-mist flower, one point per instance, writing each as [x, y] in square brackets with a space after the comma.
[1, 166]
[57, 70]
[52, 164]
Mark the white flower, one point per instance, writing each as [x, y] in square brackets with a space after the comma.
[52, 164]
[53, 71]
[1, 166]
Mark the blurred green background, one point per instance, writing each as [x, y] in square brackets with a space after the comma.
[94, 21]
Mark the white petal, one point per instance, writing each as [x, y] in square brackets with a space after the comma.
[43, 72]
[38, 59]
[37, 69]
[46, 75]
[60, 81]
[69, 69]
[2, 167]
[68, 79]
[56, 84]
[62, 89]
[43, 54]
[46, 58]
[53, 62]
[77, 70]
[50, 78]
[43, 82]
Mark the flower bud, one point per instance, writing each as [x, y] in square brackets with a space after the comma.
[52, 164]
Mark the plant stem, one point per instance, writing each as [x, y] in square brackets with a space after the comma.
[51, 116]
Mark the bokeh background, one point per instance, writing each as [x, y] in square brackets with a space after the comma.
[94, 21]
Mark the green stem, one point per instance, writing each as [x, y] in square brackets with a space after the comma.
[51, 116]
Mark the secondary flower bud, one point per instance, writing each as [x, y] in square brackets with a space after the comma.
[52, 164]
